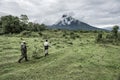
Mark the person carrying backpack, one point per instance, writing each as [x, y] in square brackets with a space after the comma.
[23, 52]
[46, 46]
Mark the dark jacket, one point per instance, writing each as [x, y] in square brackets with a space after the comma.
[23, 49]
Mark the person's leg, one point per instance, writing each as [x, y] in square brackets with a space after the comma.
[26, 57]
[46, 52]
[20, 59]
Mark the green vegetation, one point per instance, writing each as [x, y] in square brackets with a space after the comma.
[13, 24]
[110, 37]
[71, 57]
[74, 55]
[115, 31]
[99, 37]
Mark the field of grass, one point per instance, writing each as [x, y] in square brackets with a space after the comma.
[68, 59]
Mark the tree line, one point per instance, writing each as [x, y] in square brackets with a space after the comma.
[13, 24]
[112, 37]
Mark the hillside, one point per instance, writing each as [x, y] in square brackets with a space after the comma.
[69, 23]
[69, 59]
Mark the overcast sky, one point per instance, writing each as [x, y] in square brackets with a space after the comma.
[99, 13]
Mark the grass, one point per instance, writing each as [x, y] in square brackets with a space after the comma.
[69, 59]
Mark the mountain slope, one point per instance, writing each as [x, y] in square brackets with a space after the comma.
[70, 23]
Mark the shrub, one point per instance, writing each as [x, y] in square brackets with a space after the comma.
[40, 33]
[25, 33]
[29, 34]
[115, 31]
[109, 36]
[72, 35]
[70, 43]
[34, 34]
[64, 35]
[99, 37]
[119, 36]
[36, 52]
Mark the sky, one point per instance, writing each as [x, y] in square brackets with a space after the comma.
[98, 13]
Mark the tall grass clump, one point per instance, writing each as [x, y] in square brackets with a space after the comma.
[36, 52]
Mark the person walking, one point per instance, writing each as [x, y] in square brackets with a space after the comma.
[46, 46]
[23, 52]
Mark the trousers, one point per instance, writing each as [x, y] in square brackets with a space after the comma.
[22, 57]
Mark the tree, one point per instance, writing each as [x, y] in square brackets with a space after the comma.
[36, 27]
[23, 26]
[0, 24]
[30, 26]
[115, 31]
[10, 24]
[13, 24]
[24, 18]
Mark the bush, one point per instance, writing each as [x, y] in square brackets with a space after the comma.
[70, 43]
[36, 53]
[1, 31]
[25, 33]
[40, 33]
[99, 37]
[72, 35]
[109, 36]
[64, 35]
[119, 36]
[114, 36]
[115, 31]
[29, 34]
[34, 34]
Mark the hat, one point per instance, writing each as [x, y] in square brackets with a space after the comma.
[23, 41]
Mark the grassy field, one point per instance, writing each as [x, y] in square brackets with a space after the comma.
[68, 59]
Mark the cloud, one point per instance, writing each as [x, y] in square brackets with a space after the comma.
[95, 12]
